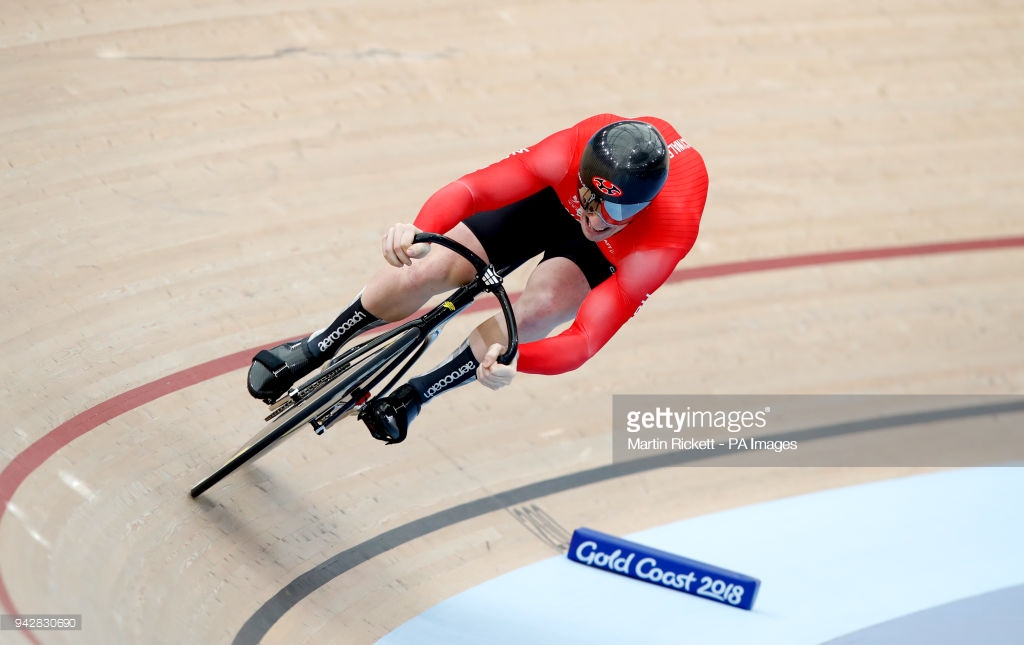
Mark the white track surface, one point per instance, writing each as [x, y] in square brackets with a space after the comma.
[830, 563]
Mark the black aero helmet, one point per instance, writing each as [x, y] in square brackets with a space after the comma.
[625, 164]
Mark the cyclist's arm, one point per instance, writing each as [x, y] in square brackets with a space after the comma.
[603, 312]
[515, 177]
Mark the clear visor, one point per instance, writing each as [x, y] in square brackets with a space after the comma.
[612, 214]
[619, 213]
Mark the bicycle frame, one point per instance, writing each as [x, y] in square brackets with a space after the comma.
[426, 329]
[346, 383]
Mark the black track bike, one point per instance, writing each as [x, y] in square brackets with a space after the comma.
[348, 382]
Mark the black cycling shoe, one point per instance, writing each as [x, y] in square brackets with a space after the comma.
[388, 418]
[274, 371]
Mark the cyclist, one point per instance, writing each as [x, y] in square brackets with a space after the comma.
[613, 204]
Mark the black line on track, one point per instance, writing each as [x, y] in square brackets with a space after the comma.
[256, 627]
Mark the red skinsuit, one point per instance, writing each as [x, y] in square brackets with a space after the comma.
[644, 253]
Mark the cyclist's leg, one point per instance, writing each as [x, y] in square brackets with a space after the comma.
[392, 294]
[395, 293]
[552, 296]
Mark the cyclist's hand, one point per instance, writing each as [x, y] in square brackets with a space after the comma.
[493, 374]
[398, 248]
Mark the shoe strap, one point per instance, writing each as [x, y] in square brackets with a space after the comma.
[269, 361]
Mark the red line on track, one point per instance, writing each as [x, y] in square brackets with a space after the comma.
[27, 461]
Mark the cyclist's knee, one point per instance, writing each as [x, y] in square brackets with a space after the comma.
[443, 269]
[459, 271]
[439, 271]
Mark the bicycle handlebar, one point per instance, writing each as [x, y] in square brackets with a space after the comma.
[489, 280]
[449, 243]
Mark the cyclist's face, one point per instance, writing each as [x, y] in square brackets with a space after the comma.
[596, 226]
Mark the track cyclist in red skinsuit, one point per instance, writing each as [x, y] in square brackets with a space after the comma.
[613, 204]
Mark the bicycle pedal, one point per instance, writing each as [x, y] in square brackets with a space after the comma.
[285, 399]
[277, 412]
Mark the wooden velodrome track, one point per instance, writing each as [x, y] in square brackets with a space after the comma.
[182, 181]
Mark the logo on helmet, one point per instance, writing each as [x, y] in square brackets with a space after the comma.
[607, 187]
